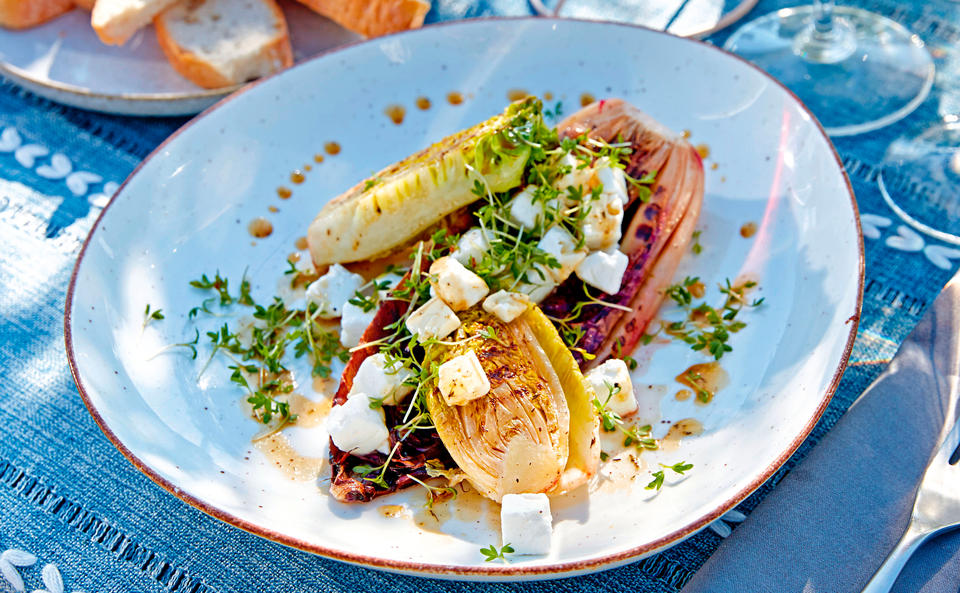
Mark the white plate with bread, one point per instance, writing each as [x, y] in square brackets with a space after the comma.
[175, 57]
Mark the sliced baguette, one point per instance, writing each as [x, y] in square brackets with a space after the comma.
[21, 14]
[217, 43]
[373, 17]
[115, 21]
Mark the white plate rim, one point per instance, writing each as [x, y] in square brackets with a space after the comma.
[499, 572]
[128, 104]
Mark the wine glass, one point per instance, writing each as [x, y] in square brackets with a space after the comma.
[920, 173]
[686, 18]
[856, 70]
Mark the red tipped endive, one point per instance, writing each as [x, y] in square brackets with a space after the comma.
[656, 232]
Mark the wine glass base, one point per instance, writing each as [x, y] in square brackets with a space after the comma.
[920, 180]
[869, 74]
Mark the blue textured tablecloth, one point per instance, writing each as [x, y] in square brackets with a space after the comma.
[69, 499]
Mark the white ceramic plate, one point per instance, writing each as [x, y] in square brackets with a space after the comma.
[185, 211]
[64, 60]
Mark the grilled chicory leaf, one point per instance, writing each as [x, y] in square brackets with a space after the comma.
[398, 203]
[534, 431]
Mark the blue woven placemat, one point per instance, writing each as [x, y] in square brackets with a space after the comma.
[70, 504]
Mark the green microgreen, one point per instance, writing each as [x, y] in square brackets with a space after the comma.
[151, 315]
[220, 284]
[555, 113]
[638, 436]
[707, 328]
[257, 351]
[365, 471]
[191, 346]
[657, 481]
[493, 553]
[659, 477]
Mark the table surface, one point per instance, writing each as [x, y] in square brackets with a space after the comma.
[76, 516]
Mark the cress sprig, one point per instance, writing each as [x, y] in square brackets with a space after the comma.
[638, 435]
[258, 360]
[706, 328]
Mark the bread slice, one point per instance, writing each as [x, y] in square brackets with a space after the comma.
[373, 17]
[85, 4]
[115, 21]
[217, 43]
[21, 14]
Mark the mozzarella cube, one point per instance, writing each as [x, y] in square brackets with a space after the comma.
[357, 428]
[457, 286]
[526, 523]
[381, 381]
[539, 285]
[462, 379]
[471, 247]
[304, 264]
[524, 210]
[614, 375]
[604, 270]
[332, 290]
[506, 306]
[433, 320]
[560, 244]
[353, 322]
[391, 280]
[612, 179]
[579, 175]
[601, 225]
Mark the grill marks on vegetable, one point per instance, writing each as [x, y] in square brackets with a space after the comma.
[659, 219]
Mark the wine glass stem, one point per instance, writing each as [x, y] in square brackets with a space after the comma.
[823, 16]
[827, 39]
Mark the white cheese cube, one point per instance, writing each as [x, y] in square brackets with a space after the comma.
[612, 179]
[601, 225]
[526, 523]
[380, 381]
[387, 282]
[540, 284]
[507, 306]
[614, 374]
[462, 379]
[457, 286]
[357, 428]
[433, 320]
[304, 264]
[333, 289]
[353, 322]
[579, 175]
[471, 247]
[560, 244]
[524, 210]
[604, 270]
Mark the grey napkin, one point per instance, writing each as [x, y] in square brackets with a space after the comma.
[831, 522]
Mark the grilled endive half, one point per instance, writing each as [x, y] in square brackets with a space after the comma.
[535, 431]
[401, 201]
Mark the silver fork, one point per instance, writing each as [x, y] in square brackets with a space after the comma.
[936, 509]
